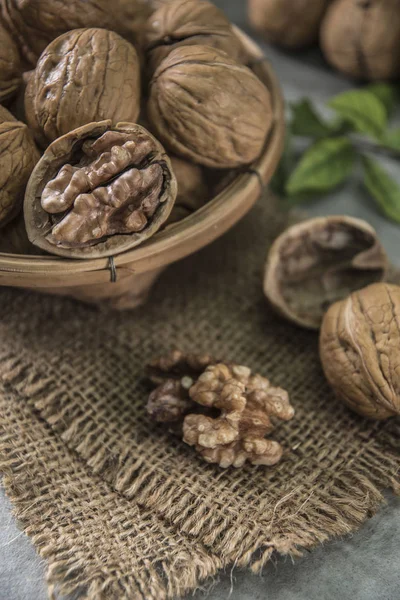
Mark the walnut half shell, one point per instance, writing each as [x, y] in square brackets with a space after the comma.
[319, 261]
[98, 191]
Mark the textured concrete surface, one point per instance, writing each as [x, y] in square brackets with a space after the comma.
[365, 566]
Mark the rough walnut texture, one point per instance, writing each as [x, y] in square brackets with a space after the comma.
[83, 76]
[362, 38]
[287, 23]
[317, 262]
[98, 191]
[193, 191]
[189, 22]
[18, 156]
[196, 94]
[10, 66]
[360, 350]
[230, 409]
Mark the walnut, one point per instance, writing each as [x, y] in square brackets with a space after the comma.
[178, 364]
[287, 23]
[362, 38]
[189, 22]
[360, 350]
[10, 66]
[14, 239]
[99, 190]
[196, 94]
[319, 261]
[18, 156]
[230, 412]
[83, 76]
[193, 192]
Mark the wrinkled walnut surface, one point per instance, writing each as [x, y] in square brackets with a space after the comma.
[317, 262]
[362, 38]
[99, 190]
[83, 76]
[193, 191]
[10, 66]
[207, 108]
[18, 156]
[189, 22]
[360, 350]
[226, 411]
[287, 23]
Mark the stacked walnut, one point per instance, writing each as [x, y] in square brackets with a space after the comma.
[126, 109]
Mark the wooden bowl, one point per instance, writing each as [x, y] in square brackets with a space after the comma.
[124, 281]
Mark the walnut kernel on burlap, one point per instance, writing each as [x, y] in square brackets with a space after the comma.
[154, 520]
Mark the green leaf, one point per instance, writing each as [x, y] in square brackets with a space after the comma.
[363, 110]
[322, 167]
[386, 93]
[307, 122]
[391, 139]
[382, 188]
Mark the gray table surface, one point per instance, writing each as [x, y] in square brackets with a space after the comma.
[365, 566]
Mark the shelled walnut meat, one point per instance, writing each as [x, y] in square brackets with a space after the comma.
[18, 156]
[83, 76]
[360, 350]
[10, 66]
[225, 410]
[207, 108]
[99, 190]
[319, 261]
[189, 22]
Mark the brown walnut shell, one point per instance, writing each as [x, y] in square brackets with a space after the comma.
[98, 191]
[360, 350]
[83, 76]
[209, 109]
[287, 23]
[189, 22]
[361, 38]
[18, 156]
[193, 191]
[10, 66]
[319, 261]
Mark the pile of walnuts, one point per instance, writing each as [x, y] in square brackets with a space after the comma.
[117, 114]
[360, 38]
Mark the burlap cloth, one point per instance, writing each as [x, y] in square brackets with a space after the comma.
[118, 507]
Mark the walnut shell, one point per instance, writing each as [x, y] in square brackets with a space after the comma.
[319, 261]
[10, 66]
[287, 23]
[98, 191]
[360, 350]
[209, 109]
[83, 76]
[362, 38]
[193, 192]
[189, 22]
[18, 156]
[14, 239]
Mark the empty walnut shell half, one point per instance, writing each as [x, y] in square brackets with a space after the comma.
[189, 22]
[99, 190]
[83, 76]
[360, 350]
[287, 23]
[10, 66]
[18, 156]
[362, 38]
[317, 262]
[196, 94]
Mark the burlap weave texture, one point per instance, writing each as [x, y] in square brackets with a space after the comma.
[121, 509]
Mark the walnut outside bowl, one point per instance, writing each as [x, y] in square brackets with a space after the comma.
[125, 281]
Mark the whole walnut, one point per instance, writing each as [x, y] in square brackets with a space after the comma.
[189, 22]
[83, 76]
[98, 191]
[193, 191]
[209, 109]
[10, 66]
[360, 350]
[287, 23]
[361, 38]
[319, 261]
[18, 156]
